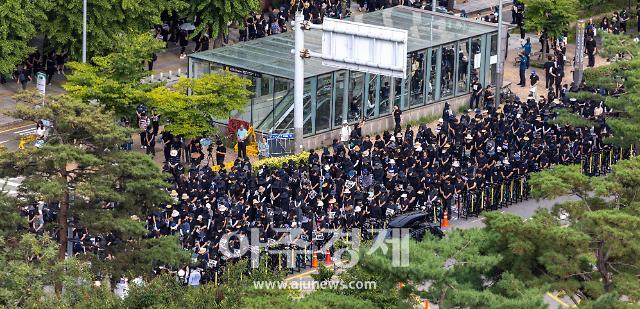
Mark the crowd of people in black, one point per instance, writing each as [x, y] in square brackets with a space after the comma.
[464, 165]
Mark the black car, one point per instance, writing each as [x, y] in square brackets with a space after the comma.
[417, 223]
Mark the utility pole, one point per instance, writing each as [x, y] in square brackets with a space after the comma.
[84, 31]
[434, 3]
[500, 60]
[579, 59]
[298, 81]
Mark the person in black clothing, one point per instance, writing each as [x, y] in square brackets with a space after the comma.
[488, 97]
[153, 59]
[397, 117]
[150, 139]
[221, 152]
[590, 48]
[476, 91]
[184, 41]
[50, 67]
[23, 77]
[548, 72]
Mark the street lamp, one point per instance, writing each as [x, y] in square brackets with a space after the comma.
[84, 31]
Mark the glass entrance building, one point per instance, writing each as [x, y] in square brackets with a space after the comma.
[444, 54]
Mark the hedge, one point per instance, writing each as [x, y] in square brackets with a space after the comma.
[277, 162]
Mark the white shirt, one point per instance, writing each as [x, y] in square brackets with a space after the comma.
[345, 133]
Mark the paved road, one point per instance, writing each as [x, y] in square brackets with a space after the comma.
[10, 185]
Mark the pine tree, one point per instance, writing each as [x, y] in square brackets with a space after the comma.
[81, 169]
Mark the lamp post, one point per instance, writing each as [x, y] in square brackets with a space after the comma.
[84, 31]
[500, 60]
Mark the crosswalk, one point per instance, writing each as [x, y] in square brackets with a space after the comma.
[26, 132]
[10, 185]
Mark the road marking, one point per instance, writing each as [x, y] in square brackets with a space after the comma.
[560, 301]
[4, 141]
[26, 131]
[13, 129]
[300, 275]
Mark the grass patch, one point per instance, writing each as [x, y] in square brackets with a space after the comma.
[422, 120]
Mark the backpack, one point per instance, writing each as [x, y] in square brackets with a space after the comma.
[22, 77]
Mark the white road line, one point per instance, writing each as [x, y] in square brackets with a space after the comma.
[24, 130]
[27, 132]
[2, 142]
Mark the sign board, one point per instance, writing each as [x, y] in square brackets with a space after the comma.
[281, 136]
[365, 48]
[41, 79]
[242, 71]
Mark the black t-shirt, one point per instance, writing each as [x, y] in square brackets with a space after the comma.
[222, 149]
[397, 113]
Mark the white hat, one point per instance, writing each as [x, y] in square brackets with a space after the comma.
[173, 152]
[222, 208]
[418, 148]
[505, 161]
[392, 161]
[440, 120]
[344, 122]
[181, 273]
[208, 205]
[202, 250]
[320, 203]
[175, 213]
[357, 209]
[456, 163]
[326, 167]
[199, 217]
[403, 195]
[468, 136]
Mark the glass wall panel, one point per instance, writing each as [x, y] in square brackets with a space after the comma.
[372, 96]
[356, 95]
[263, 105]
[476, 58]
[339, 89]
[463, 67]
[323, 102]
[431, 73]
[397, 91]
[416, 97]
[198, 68]
[493, 60]
[246, 113]
[309, 105]
[385, 95]
[447, 74]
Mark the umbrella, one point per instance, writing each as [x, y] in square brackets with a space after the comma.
[187, 26]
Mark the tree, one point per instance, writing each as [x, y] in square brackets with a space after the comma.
[81, 159]
[16, 30]
[216, 15]
[551, 17]
[114, 79]
[213, 96]
[107, 22]
[607, 213]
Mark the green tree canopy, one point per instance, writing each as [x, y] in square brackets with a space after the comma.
[213, 96]
[216, 15]
[107, 22]
[16, 29]
[81, 159]
[114, 80]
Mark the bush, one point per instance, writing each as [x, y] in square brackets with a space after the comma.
[583, 96]
[277, 162]
[324, 274]
[566, 117]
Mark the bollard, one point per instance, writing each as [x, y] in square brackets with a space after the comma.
[161, 75]
[179, 72]
[215, 278]
[151, 80]
[170, 72]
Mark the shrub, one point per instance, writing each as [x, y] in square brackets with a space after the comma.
[277, 162]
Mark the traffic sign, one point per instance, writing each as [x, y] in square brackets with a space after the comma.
[41, 78]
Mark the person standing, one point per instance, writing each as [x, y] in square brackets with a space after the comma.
[150, 141]
[523, 70]
[488, 97]
[548, 80]
[23, 77]
[476, 91]
[242, 141]
[221, 152]
[526, 49]
[143, 123]
[397, 117]
[50, 67]
[590, 48]
[345, 133]
[184, 41]
[533, 80]
[153, 59]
